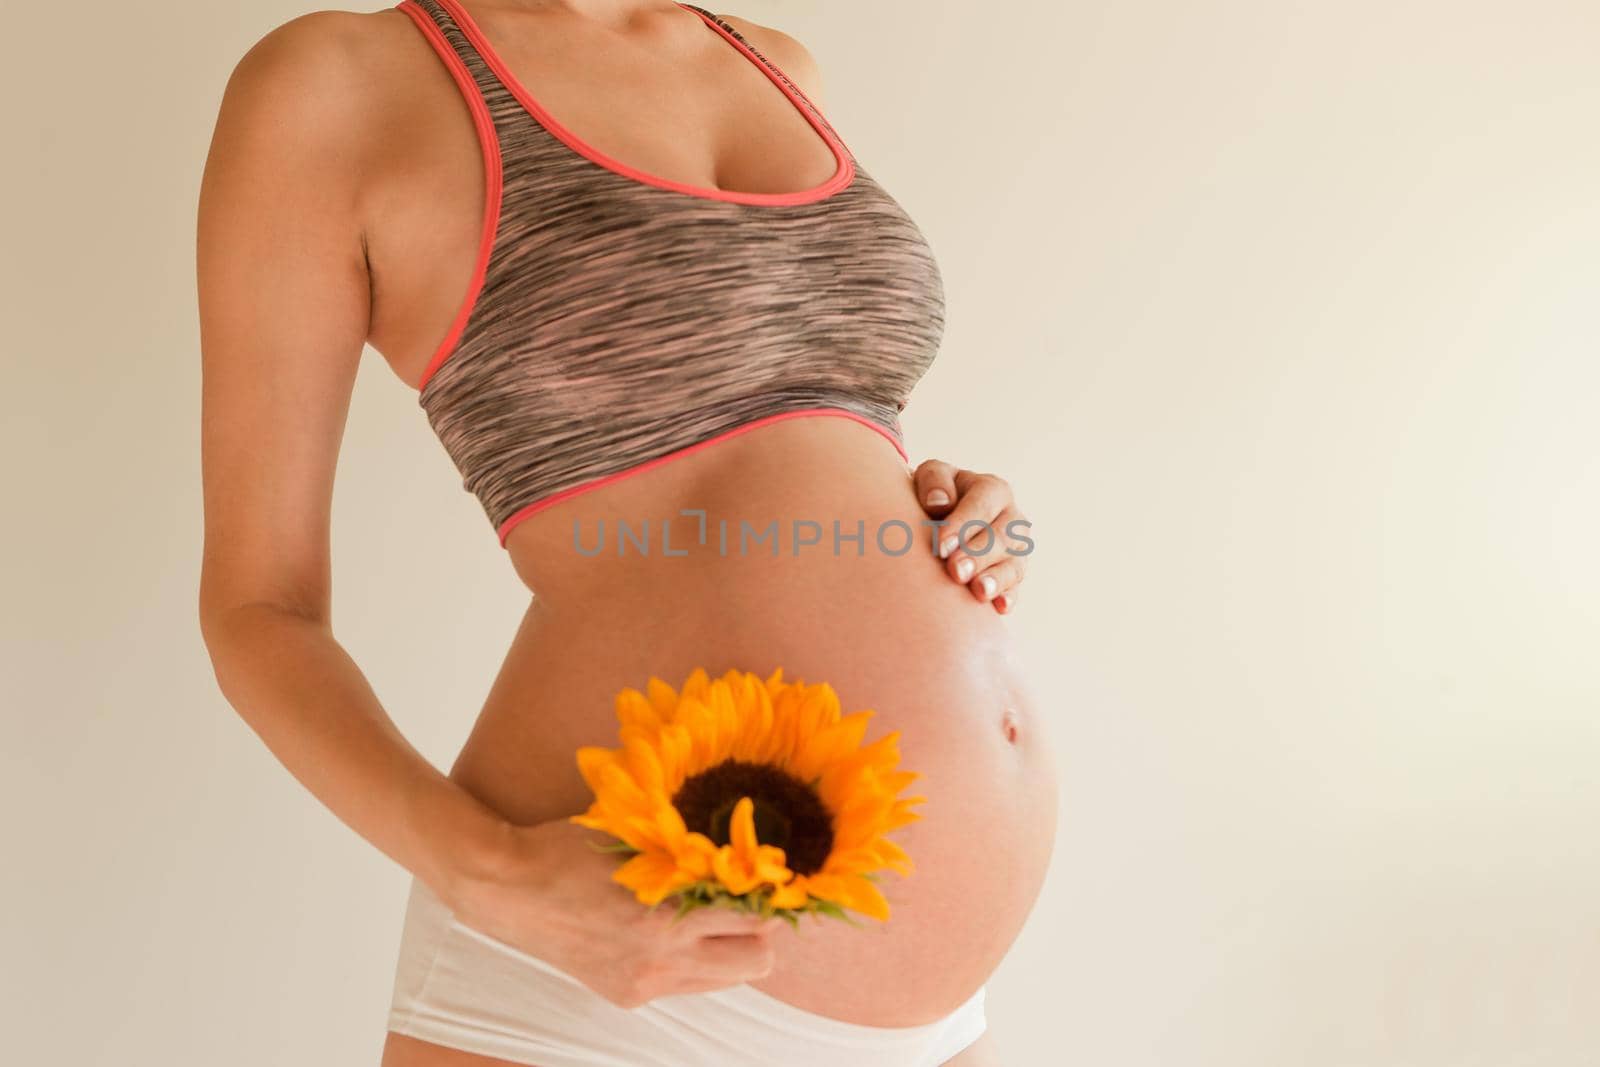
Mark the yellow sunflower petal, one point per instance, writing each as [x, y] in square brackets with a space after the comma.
[771, 865]
[881, 754]
[894, 781]
[755, 726]
[696, 719]
[592, 821]
[635, 709]
[890, 854]
[791, 894]
[725, 719]
[742, 829]
[618, 786]
[651, 876]
[857, 828]
[818, 708]
[849, 891]
[590, 759]
[619, 824]
[695, 686]
[676, 751]
[830, 744]
[663, 699]
[644, 765]
[673, 830]
[855, 797]
[695, 853]
[785, 727]
[731, 872]
[868, 899]
[862, 768]
[646, 834]
[900, 814]
[858, 859]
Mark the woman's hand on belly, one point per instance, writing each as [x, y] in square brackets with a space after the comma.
[984, 536]
[548, 892]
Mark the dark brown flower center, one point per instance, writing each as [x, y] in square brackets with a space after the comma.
[788, 813]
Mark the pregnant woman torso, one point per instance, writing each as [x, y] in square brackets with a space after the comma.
[890, 633]
[622, 347]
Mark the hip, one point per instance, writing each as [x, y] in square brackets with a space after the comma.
[457, 988]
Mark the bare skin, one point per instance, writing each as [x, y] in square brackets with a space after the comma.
[341, 206]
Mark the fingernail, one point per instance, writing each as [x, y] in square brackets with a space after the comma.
[964, 569]
[948, 545]
[986, 583]
[938, 497]
[1003, 604]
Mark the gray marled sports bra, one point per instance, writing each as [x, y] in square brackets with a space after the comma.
[617, 320]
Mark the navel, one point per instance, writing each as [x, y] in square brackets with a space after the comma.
[1011, 725]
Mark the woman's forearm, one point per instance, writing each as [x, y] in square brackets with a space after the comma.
[300, 691]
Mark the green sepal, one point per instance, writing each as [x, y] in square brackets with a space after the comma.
[711, 894]
[614, 846]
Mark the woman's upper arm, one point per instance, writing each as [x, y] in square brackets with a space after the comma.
[283, 297]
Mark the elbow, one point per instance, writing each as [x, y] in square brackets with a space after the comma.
[239, 635]
[217, 635]
[247, 617]
[217, 615]
[226, 641]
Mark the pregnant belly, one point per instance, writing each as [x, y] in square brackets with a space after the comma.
[889, 632]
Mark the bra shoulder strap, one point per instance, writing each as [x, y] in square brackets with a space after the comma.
[437, 20]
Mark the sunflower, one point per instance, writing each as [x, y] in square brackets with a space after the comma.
[759, 795]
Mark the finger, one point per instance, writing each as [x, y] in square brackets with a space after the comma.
[999, 577]
[1006, 602]
[721, 921]
[733, 958]
[935, 484]
[691, 976]
[1005, 540]
[982, 498]
[1008, 547]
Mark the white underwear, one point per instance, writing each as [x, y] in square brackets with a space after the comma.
[465, 990]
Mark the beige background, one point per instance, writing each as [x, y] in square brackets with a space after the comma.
[1282, 317]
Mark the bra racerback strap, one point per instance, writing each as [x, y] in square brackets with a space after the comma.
[798, 92]
[501, 105]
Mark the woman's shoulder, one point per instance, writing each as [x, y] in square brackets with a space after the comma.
[785, 51]
[324, 69]
[320, 99]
